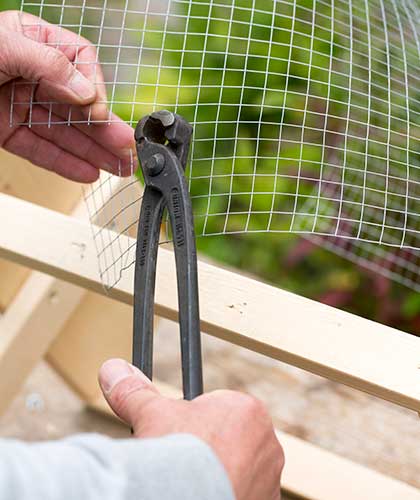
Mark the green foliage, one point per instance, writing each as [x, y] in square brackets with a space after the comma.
[411, 305]
[242, 94]
[9, 5]
[257, 84]
[243, 77]
[246, 97]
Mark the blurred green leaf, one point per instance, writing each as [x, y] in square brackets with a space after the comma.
[257, 88]
[10, 5]
[411, 305]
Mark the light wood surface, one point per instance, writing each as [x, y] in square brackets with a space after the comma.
[313, 409]
[97, 330]
[46, 313]
[28, 327]
[32, 321]
[326, 341]
[43, 304]
[21, 179]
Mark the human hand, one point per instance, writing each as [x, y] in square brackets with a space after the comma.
[78, 151]
[236, 426]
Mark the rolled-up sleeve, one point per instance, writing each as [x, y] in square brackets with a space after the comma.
[94, 467]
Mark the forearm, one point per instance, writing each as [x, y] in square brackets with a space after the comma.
[95, 467]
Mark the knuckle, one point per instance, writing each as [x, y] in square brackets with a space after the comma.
[58, 63]
[11, 52]
[252, 406]
[276, 458]
[248, 405]
[58, 59]
[5, 53]
[86, 46]
[35, 149]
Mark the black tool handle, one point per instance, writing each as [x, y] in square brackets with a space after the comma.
[180, 211]
[145, 277]
[167, 187]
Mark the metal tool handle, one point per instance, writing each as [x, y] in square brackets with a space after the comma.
[144, 279]
[163, 169]
[182, 225]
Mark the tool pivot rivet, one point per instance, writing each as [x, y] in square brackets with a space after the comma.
[155, 164]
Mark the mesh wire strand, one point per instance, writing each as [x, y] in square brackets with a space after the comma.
[305, 116]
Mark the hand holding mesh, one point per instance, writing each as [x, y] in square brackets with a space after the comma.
[35, 66]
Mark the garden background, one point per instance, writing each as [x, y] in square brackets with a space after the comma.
[289, 261]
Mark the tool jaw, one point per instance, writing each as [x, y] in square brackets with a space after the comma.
[161, 168]
[168, 129]
[163, 141]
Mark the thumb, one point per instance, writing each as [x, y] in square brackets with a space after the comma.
[127, 390]
[57, 77]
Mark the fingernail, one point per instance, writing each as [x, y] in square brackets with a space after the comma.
[82, 86]
[112, 372]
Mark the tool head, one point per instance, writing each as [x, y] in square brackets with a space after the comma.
[164, 127]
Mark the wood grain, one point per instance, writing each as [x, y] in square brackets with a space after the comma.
[21, 179]
[360, 353]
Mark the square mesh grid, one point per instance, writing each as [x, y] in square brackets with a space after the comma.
[305, 114]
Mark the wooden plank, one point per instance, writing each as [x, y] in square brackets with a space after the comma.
[23, 180]
[13, 277]
[31, 322]
[34, 319]
[314, 473]
[38, 314]
[360, 353]
[98, 329]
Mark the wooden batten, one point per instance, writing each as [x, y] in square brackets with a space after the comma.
[82, 329]
[41, 305]
[348, 349]
[23, 180]
[98, 329]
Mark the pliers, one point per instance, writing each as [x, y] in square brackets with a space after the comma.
[163, 140]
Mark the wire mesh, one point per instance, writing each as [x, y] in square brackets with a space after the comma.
[305, 116]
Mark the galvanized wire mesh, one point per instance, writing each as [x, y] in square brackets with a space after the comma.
[305, 116]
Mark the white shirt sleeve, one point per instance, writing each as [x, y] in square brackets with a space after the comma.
[94, 467]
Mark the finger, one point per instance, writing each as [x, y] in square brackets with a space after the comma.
[127, 390]
[86, 61]
[75, 47]
[74, 141]
[118, 137]
[44, 154]
[50, 68]
[78, 50]
[115, 135]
